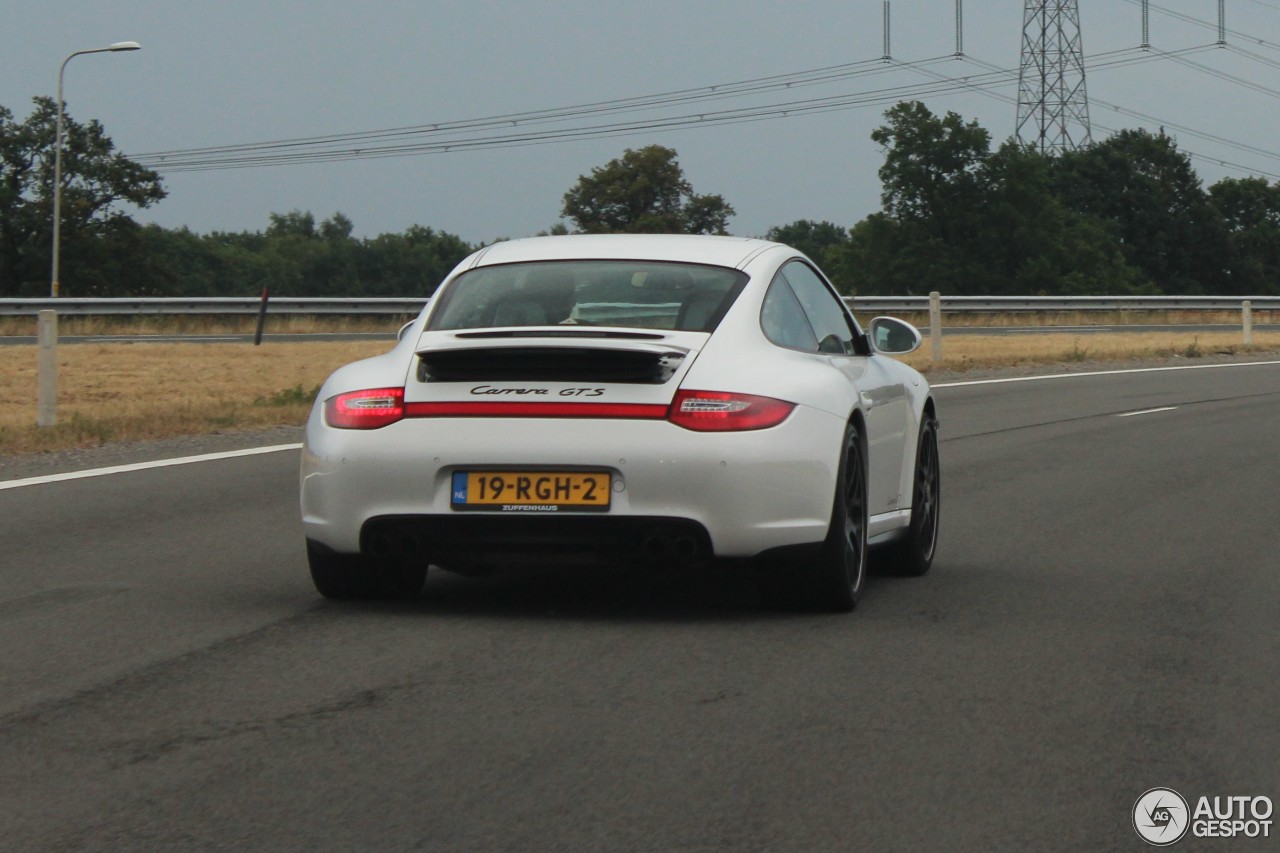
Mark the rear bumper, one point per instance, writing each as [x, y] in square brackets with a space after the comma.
[742, 493]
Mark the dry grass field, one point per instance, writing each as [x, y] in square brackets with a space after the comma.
[203, 325]
[973, 352]
[131, 392]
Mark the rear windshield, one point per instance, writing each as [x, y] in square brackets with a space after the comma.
[630, 294]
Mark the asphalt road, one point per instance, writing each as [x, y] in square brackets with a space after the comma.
[1102, 619]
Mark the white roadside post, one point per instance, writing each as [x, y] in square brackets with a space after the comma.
[47, 369]
[47, 363]
[1247, 312]
[935, 326]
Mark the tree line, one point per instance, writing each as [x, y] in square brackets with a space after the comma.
[1125, 215]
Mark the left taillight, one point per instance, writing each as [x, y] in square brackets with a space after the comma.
[368, 409]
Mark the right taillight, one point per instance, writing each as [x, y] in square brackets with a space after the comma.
[721, 411]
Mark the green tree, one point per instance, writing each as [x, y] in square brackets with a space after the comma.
[824, 242]
[337, 228]
[295, 256]
[933, 190]
[815, 239]
[1149, 197]
[96, 234]
[335, 258]
[644, 191]
[1250, 211]
[962, 219]
[1027, 242]
[888, 257]
[295, 223]
[932, 167]
[409, 264]
[300, 257]
[178, 262]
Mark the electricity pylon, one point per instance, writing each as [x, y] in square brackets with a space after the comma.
[1053, 105]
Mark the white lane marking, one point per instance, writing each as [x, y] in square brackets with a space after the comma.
[144, 466]
[1100, 373]
[1147, 412]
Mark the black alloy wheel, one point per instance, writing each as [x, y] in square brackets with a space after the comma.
[912, 555]
[840, 572]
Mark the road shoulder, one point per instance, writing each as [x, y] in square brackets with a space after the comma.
[26, 465]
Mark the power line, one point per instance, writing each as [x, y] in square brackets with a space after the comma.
[1162, 122]
[1223, 75]
[1250, 55]
[1209, 25]
[721, 91]
[451, 136]
[1190, 131]
[325, 150]
[547, 126]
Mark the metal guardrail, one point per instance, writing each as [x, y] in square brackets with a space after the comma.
[1044, 304]
[70, 306]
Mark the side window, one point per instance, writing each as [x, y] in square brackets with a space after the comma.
[826, 315]
[783, 320]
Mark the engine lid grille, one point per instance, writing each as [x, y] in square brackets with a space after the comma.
[549, 364]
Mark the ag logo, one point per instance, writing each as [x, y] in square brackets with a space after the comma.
[1161, 816]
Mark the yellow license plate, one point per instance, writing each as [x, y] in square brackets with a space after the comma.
[531, 491]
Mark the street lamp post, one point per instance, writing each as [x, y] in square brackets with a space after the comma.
[47, 329]
[57, 155]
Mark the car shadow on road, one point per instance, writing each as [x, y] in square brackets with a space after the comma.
[730, 594]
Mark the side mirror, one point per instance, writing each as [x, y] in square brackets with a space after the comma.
[891, 336]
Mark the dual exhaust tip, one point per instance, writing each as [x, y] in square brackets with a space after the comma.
[680, 548]
[403, 545]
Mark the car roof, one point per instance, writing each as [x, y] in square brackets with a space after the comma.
[689, 248]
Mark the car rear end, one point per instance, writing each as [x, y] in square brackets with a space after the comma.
[554, 412]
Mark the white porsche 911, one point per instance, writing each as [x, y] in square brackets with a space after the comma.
[658, 399]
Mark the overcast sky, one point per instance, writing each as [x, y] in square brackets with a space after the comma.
[228, 72]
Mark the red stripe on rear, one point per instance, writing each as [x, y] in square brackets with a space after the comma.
[469, 409]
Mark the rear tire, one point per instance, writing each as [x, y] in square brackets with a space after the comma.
[352, 576]
[912, 555]
[839, 573]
